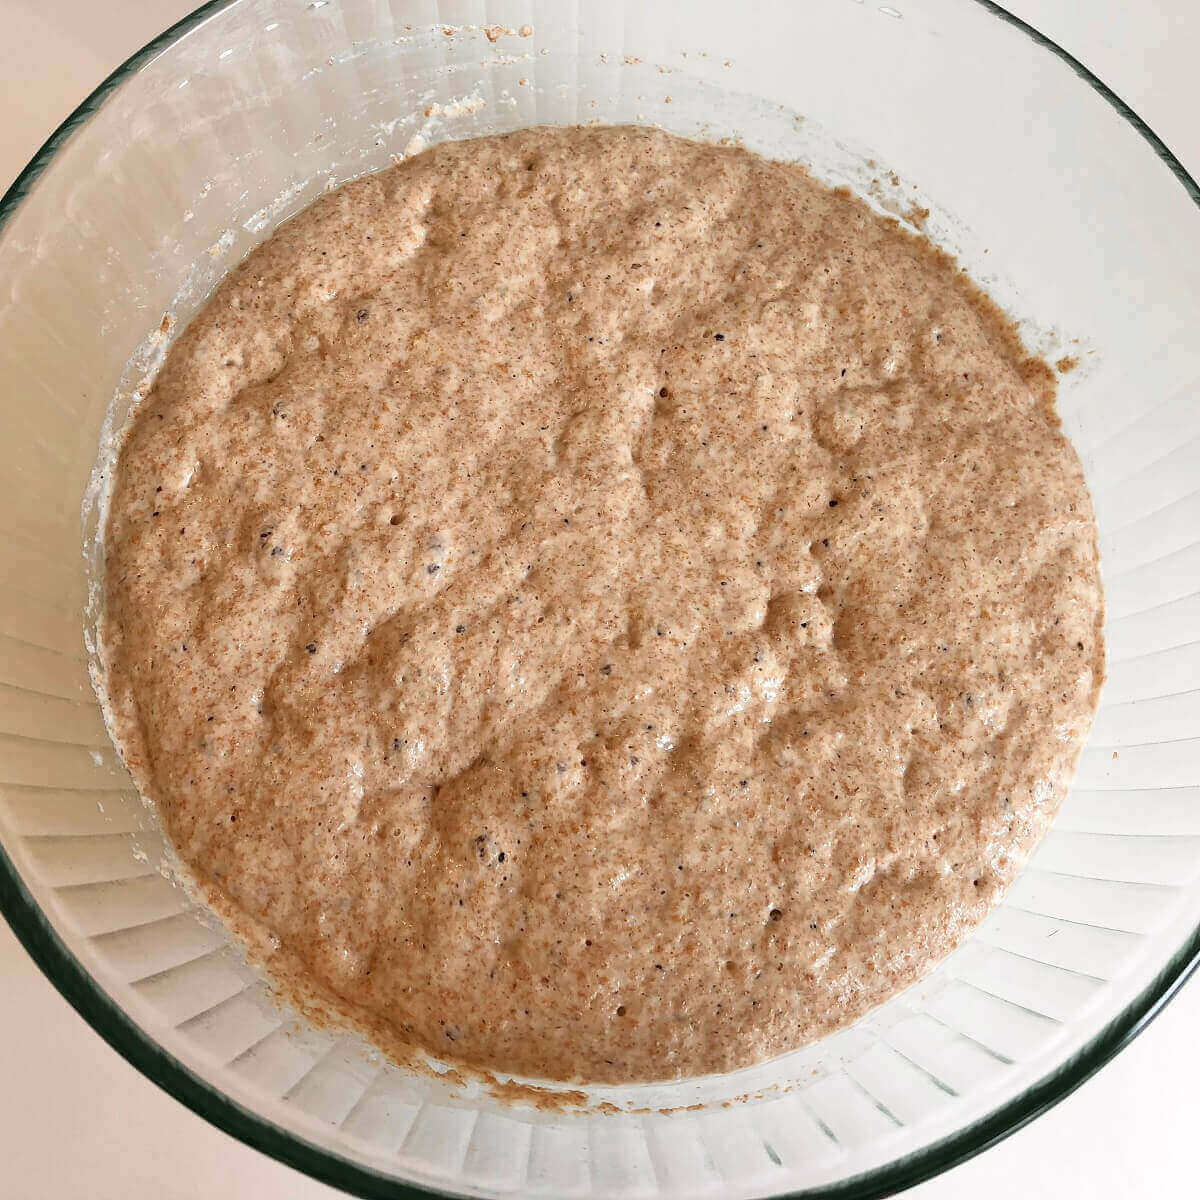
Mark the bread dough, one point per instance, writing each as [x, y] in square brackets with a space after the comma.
[600, 606]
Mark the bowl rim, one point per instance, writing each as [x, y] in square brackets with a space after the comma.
[77, 986]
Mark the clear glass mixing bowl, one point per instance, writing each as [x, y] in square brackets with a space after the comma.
[1053, 194]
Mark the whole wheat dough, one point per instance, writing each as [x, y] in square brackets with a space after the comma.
[600, 606]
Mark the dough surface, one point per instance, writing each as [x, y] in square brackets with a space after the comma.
[600, 606]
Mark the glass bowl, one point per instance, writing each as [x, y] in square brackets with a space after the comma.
[1051, 192]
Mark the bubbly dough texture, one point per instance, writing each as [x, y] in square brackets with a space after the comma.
[600, 606]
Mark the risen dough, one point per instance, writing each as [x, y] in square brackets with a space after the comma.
[600, 605]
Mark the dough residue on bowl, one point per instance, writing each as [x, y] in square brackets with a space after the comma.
[605, 607]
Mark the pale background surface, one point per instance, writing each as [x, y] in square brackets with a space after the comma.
[77, 1121]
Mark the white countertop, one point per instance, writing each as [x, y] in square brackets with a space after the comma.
[1126, 1133]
